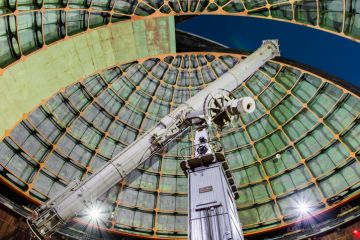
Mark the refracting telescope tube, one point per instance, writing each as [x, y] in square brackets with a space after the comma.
[78, 197]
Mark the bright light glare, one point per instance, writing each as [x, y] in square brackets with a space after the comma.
[94, 214]
[303, 207]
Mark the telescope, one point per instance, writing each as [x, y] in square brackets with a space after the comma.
[217, 108]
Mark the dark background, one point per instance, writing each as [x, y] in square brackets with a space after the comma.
[327, 52]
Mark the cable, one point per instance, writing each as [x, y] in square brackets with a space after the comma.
[32, 230]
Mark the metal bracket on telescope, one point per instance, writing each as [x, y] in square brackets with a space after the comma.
[208, 159]
[203, 206]
[276, 46]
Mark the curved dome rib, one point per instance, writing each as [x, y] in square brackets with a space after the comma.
[299, 145]
[26, 26]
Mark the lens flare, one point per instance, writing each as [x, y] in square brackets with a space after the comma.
[94, 214]
[303, 207]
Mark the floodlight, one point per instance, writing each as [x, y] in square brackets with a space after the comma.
[303, 207]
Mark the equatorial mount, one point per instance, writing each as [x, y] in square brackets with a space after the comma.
[223, 108]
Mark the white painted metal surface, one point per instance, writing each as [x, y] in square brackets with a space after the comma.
[212, 210]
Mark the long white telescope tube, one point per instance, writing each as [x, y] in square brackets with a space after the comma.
[74, 201]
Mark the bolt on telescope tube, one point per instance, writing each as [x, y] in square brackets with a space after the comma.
[76, 199]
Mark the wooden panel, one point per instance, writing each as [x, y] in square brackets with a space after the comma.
[12, 227]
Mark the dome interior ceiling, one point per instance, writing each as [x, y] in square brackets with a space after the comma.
[300, 144]
[26, 26]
